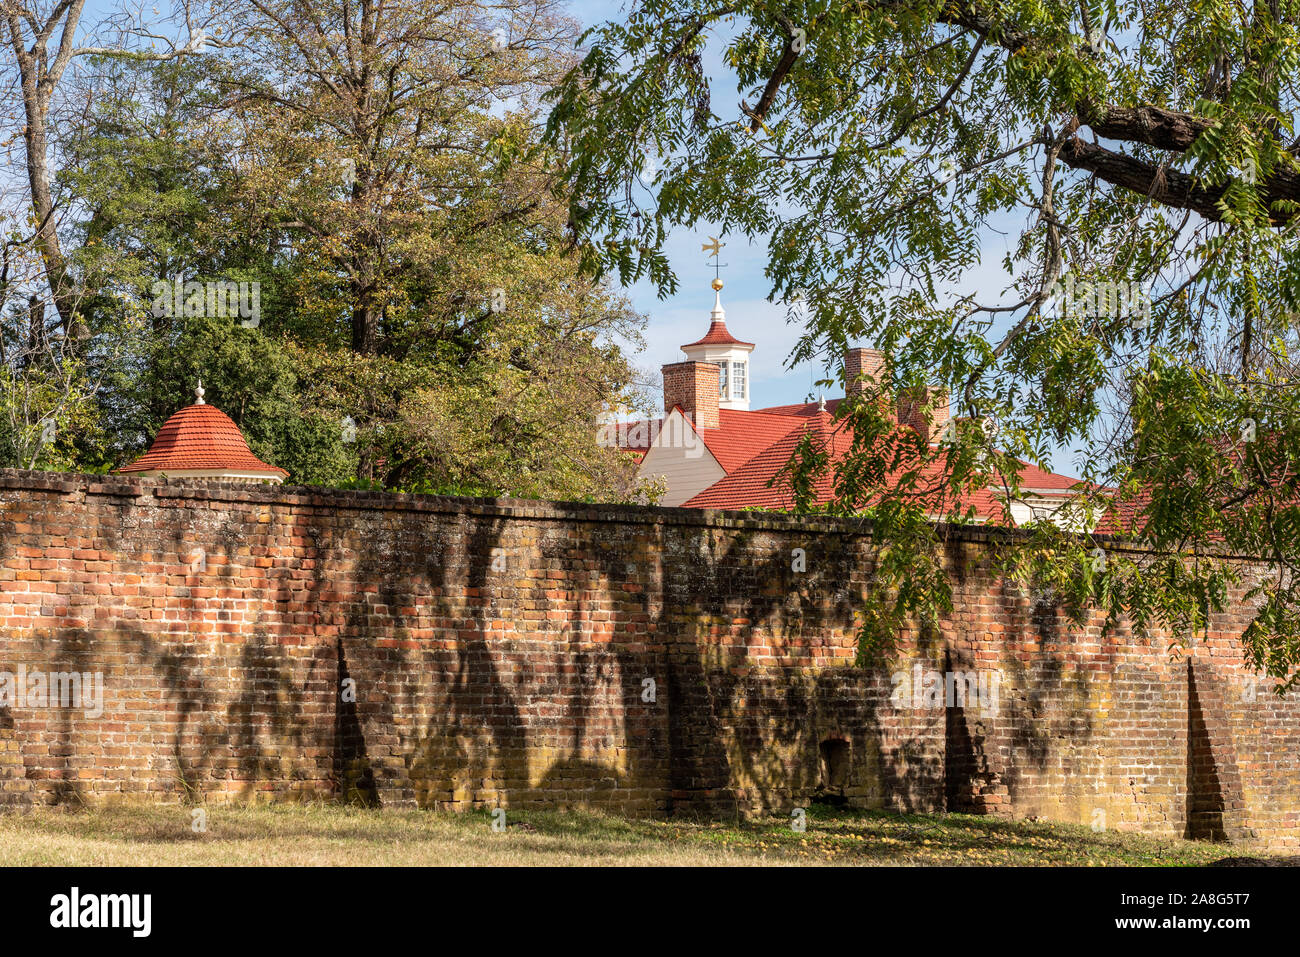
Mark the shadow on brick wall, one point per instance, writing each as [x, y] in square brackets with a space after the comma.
[1215, 806]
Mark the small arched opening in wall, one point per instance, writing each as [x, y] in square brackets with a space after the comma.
[835, 763]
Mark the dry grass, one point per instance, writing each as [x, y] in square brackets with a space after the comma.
[306, 835]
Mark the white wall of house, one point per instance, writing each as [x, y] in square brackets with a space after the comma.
[1032, 508]
[680, 456]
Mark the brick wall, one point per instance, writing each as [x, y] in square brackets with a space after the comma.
[912, 412]
[398, 650]
[862, 365]
[694, 386]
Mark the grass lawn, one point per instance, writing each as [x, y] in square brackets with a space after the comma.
[335, 835]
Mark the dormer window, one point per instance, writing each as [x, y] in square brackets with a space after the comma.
[738, 380]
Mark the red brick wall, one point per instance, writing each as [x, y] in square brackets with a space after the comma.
[693, 386]
[861, 365]
[502, 652]
[912, 412]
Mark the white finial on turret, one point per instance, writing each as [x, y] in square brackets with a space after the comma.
[198, 394]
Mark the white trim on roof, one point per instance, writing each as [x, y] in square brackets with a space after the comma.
[250, 475]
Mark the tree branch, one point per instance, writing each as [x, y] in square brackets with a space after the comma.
[1173, 188]
[783, 66]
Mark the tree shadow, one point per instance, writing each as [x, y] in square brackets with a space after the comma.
[505, 653]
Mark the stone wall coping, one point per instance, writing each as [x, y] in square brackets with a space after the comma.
[303, 496]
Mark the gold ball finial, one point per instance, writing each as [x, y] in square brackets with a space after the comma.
[717, 285]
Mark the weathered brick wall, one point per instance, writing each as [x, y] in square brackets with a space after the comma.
[530, 654]
[1106, 729]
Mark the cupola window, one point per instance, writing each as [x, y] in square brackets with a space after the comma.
[738, 380]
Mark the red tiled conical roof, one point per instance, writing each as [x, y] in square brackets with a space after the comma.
[201, 436]
[717, 336]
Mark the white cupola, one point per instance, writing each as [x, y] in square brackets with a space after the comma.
[728, 353]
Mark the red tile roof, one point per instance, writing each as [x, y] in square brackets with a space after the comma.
[1032, 477]
[200, 436]
[739, 437]
[806, 408]
[754, 446]
[1124, 517]
[748, 486]
[742, 435]
[717, 336]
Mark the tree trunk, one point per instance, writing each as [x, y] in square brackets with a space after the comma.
[365, 324]
[47, 238]
[35, 331]
[39, 75]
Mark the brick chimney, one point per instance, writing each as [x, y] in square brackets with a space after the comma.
[911, 411]
[693, 386]
[861, 365]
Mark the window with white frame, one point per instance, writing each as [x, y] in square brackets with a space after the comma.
[738, 380]
[722, 379]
